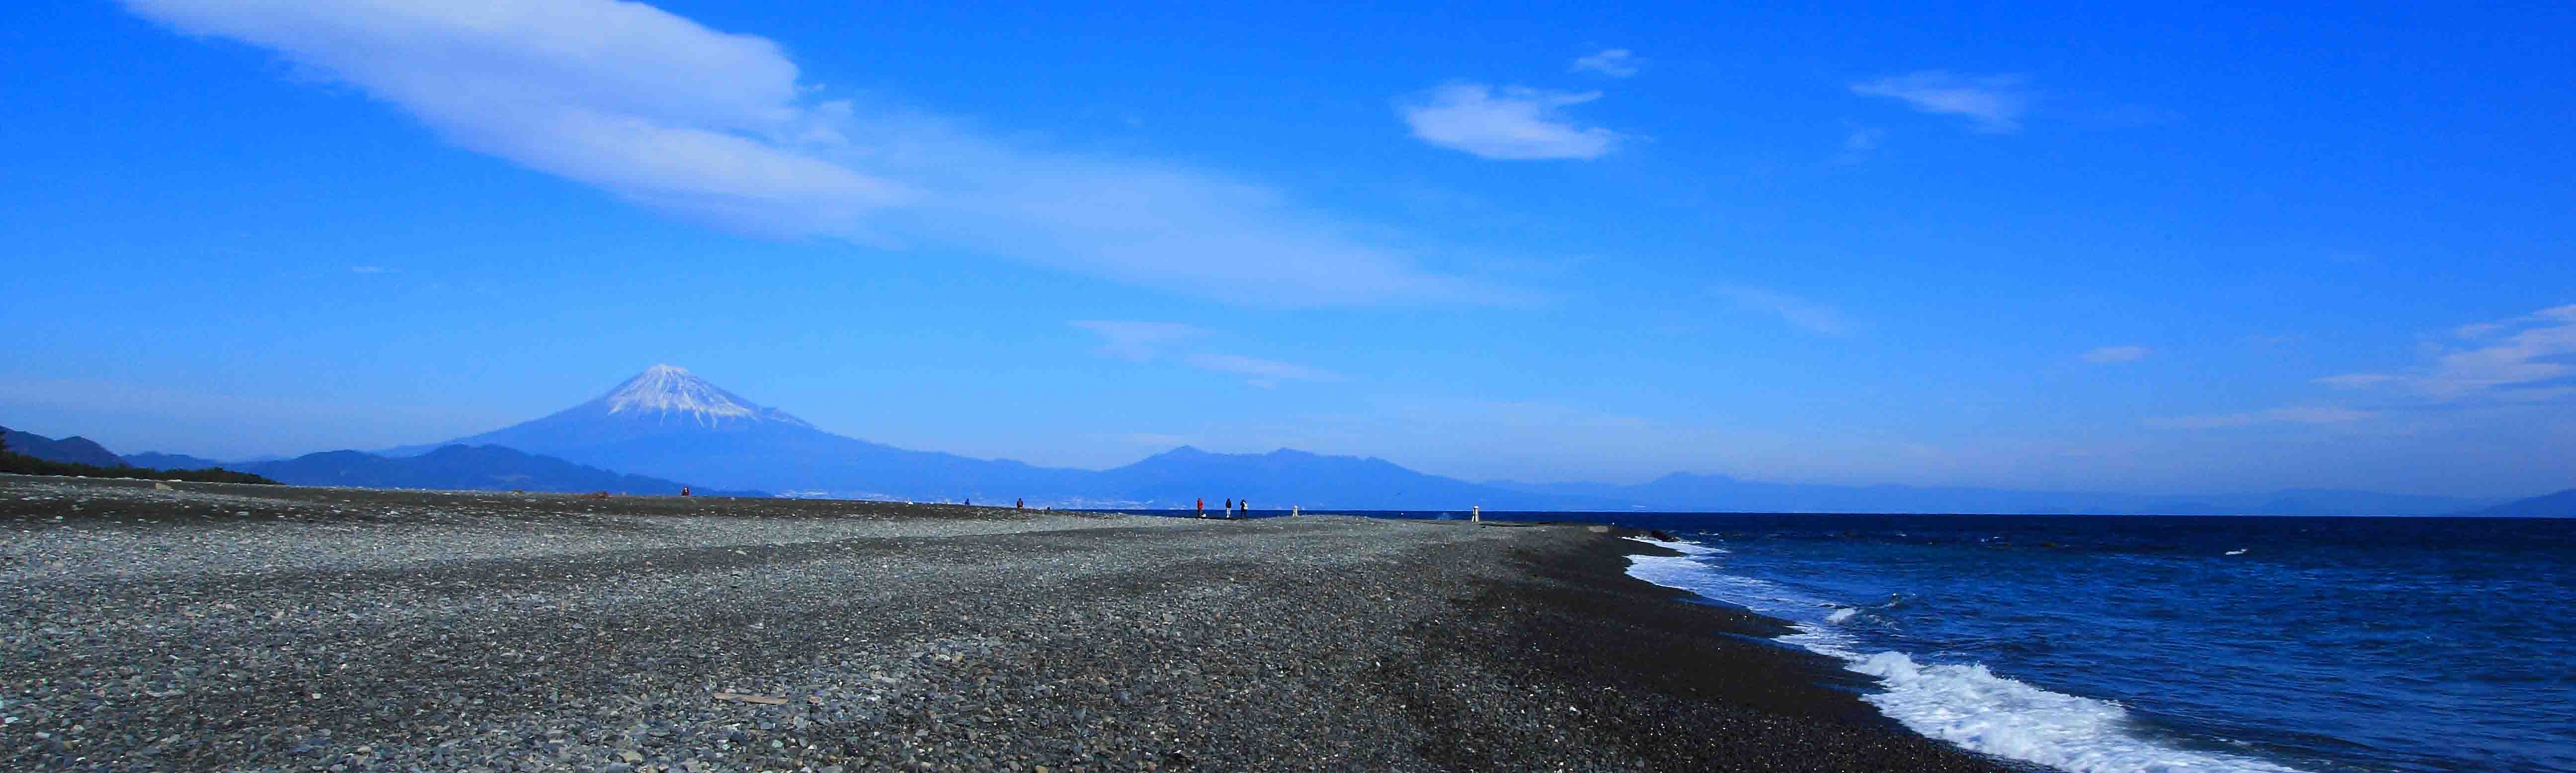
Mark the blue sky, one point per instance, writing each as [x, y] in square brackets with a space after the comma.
[2185, 249]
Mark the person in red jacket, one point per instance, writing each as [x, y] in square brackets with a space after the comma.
[1203, 507]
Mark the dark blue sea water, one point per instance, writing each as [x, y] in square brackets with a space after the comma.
[2173, 643]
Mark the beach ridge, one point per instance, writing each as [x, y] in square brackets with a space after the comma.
[275, 628]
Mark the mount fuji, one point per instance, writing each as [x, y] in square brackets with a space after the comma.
[664, 401]
[668, 422]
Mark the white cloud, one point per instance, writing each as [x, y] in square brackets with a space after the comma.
[2300, 415]
[1146, 341]
[660, 110]
[2356, 380]
[1859, 143]
[1863, 139]
[1994, 103]
[1797, 311]
[1613, 62]
[2117, 354]
[2525, 360]
[370, 270]
[1518, 124]
[2521, 359]
[2476, 330]
[1263, 373]
[1137, 341]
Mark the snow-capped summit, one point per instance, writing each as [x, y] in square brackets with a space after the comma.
[673, 389]
[664, 402]
[667, 422]
[666, 394]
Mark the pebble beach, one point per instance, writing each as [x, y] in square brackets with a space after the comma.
[266, 628]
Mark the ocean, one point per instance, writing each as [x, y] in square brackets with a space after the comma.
[2166, 644]
[2118, 643]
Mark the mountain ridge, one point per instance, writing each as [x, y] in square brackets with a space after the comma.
[464, 468]
[2556, 505]
[669, 423]
[666, 424]
[1680, 491]
[73, 449]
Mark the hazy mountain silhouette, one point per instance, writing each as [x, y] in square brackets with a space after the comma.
[490, 468]
[457, 467]
[1689, 492]
[74, 449]
[668, 423]
[2559, 505]
[161, 461]
[1284, 478]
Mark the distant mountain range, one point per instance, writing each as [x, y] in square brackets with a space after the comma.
[1680, 489]
[667, 425]
[2559, 505]
[74, 449]
[456, 467]
[667, 422]
[459, 467]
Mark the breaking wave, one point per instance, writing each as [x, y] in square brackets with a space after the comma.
[1965, 704]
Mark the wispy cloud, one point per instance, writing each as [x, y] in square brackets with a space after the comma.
[1260, 372]
[1859, 143]
[717, 127]
[2525, 360]
[2530, 358]
[1992, 103]
[1148, 341]
[370, 270]
[1804, 313]
[1516, 124]
[2357, 380]
[1862, 139]
[2110, 354]
[2299, 415]
[1137, 341]
[1613, 62]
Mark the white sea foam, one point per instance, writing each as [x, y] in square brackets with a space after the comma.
[1964, 704]
[1686, 548]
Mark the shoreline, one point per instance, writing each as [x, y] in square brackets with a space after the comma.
[1682, 685]
[269, 628]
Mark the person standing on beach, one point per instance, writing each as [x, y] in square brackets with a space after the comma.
[1203, 507]
[1247, 507]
